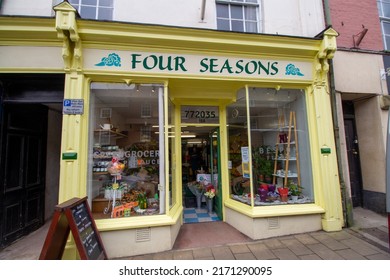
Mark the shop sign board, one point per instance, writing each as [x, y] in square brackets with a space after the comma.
[202, 65]
[73, 216]
[73, 107]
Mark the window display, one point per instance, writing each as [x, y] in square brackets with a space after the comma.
[279, 171]
[125, 161]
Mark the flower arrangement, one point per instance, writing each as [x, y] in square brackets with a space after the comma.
[115, 167]
[210, 191]
[196, 188]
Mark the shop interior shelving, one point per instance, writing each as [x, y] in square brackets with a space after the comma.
[286, 140]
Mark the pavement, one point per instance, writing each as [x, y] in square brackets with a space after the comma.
[368, 239]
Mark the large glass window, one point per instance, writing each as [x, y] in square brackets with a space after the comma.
[238, 15]
[269, 147]
[384, 14]
[126, 148]
[94, 9]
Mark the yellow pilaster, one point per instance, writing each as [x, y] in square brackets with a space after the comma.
[74, 133]
[74, 127]
[324, 156]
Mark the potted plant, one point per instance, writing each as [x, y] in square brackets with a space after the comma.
[295, 191]
[283, 193]
[266, 169]
[263, 166]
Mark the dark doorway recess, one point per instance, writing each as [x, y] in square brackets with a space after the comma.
[352, 143]
[22, 174]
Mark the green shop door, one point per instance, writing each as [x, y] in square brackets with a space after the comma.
[215, 167]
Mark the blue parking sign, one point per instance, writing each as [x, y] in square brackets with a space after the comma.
[73, 107]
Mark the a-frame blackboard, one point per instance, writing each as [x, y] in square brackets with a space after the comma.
[73, 216]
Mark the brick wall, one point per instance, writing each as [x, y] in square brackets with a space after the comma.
[349, 17]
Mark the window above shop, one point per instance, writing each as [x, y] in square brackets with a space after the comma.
[384, 15]
[94, 9]
[238, 15]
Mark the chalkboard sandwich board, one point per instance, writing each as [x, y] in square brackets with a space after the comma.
[73, 216]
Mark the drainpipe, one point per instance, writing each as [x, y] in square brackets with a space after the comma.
[202, 10]
[347, 201]
[388, 175]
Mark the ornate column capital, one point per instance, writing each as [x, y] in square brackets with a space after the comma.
[327, 50]
[66, 27]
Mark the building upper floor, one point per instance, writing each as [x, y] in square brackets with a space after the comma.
[358, 23]
[363, 25]
[293, 17]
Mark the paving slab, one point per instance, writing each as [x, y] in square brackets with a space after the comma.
[274, 243]
[222, 253]
[305, 238]
[244, 256]
[324, 252]
[183, 255]
[202, 253]
[239, 249]
[361, 247]
[297, 247]
[261, 251]
[330, 242]
[285, 254]
[310, 257]
[350, 254]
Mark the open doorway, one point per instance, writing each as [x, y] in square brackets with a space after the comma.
[30, 144]
[30, 148]
[202, 193]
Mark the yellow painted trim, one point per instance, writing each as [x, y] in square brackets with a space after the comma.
[120, 36]
[176, 156]
[225, 184]
[275, 210]
[248, 121]
[30, 31]
[140, 221]
[166, 151]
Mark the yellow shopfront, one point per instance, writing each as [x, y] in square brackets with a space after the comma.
[153, 115]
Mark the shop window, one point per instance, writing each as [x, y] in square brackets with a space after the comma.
[94, 9]
[126, 142]
[238, 15]
[269, 151]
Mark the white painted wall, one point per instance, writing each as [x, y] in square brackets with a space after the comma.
[284, 17]
[42, 8]
[293, 17]
[168, 12]
[359, 73]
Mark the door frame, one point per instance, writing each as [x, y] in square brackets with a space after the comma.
[213, 126]
[219, 191]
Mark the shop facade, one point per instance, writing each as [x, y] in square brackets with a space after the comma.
[150, 112]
